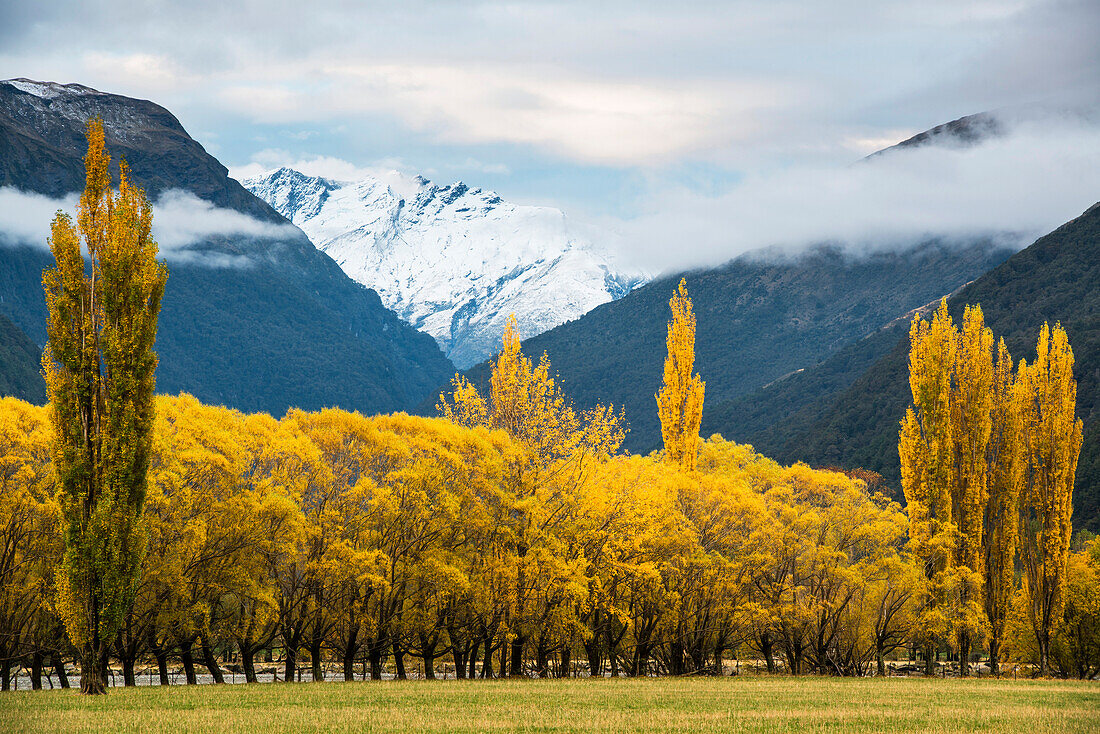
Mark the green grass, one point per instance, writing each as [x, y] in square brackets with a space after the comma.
[763, 704]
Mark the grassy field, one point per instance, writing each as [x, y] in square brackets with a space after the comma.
[763, 704]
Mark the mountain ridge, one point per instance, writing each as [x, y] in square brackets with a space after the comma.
[285, 328]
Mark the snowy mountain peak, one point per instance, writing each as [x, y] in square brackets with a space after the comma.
[452, 260]
[48, 90]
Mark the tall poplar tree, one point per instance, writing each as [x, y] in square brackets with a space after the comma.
[927, 451]
[1052, 443]
[972, 424]
[100, 368]
[1002, 509]
[680, 399]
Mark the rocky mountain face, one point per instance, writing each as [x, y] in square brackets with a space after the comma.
[254, 316]
[451, 260]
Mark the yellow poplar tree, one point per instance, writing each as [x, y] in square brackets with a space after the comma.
[100, 374]
[680, 399]
[971, 416]
[926, 449]
[1052, 444]
[1002, 508]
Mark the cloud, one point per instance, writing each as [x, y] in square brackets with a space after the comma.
[330, 167]
[1022, 185]
[577, 100]
[180, 220]
[25, 217]
[582, 117]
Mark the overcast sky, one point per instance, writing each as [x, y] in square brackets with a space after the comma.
[633, 114]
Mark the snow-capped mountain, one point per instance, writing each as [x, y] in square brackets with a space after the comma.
[451, 260]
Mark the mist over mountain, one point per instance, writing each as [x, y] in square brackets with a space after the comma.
[254, 316]
[451, 260]
[1013, 174]
[846, 411]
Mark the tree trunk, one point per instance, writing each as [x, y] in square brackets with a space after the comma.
[59, 668]
[428, 653]
[209, 660]
[566, 660]
[880, 662]
[36, 670]
[595, 659]
[471, 662]
[127, 660]
[487, 666]
[376, 651]
[995, 654]
[503, 668]
[92, 678]
[540, 658]
[162, 663]
[399, 662]
[349, 663]
[188, 662]
[5, 672]
[766, 651]
[315, 667]
[516, 657]
[676, 658]
[351, 649]
[290, 664]
[458, 652]
[640, 666]
[930, 659]
[248, 662]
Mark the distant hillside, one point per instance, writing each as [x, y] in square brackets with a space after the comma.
[759, 319]
[20, 362]
[256, 322]
[854, 421]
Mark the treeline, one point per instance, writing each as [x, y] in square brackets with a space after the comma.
[509, 537]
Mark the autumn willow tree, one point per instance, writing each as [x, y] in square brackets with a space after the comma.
[680, 399]
[100, 375]
[527, 402]
[984, 456]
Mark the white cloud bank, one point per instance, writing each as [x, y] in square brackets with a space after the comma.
[1024, 184]
[180, 219]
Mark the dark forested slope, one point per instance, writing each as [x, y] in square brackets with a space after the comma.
[1055, 279]
[20, 362]
[760, 317]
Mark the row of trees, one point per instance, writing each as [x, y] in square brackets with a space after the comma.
[507, 538]
[988, 455]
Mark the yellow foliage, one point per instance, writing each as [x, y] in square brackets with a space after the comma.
[680, 399]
